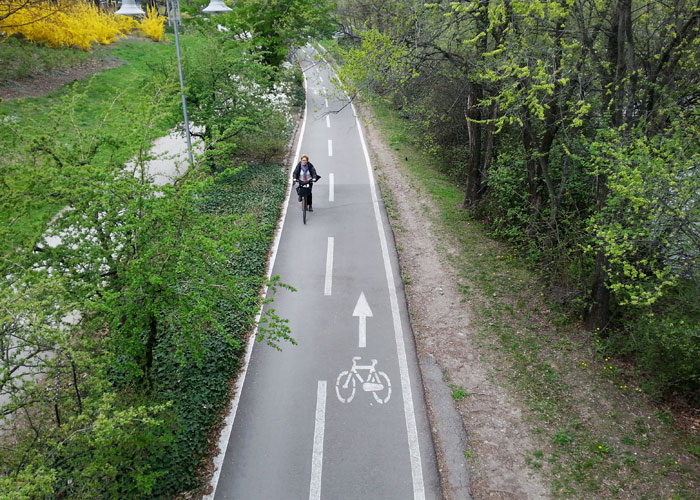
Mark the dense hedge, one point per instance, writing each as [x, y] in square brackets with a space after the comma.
[199, 389]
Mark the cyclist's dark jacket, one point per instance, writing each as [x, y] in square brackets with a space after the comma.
[312, 171]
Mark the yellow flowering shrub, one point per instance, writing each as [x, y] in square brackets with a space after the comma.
[152, 24]
[64, 23]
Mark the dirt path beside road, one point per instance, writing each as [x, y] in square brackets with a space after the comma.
[442, 327]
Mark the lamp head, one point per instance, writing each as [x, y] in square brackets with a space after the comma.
[216, 6]
[129, 8]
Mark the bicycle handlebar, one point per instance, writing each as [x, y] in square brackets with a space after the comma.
[304, 183]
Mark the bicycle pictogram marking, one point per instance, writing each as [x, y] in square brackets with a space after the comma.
[376, 382]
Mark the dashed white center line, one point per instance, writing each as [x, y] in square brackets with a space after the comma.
[317, 455]
[328, 121]
[326, 102]
[329, 267]
[330, 147]
[320, 78]
[331, 188]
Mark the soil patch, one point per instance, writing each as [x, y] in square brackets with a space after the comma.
[44, 83]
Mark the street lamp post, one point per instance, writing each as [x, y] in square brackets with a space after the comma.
[130, 8]
[175, 11]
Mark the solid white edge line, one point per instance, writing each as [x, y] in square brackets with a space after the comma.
[407, 393]
[319, 431]
[228, 426]
[331, 187]
[329, 267]
[330, 147]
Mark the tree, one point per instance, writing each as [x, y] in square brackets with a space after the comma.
[227, 95]
[277, 26]
[563, 104]
[37, 9]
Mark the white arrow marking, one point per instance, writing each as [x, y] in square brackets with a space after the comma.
[362, 310]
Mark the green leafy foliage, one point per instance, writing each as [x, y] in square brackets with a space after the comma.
[647, 228]
[28, 196]
[241, 106]
[275, 27]
[136, 314]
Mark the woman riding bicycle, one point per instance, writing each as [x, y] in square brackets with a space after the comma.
[305, 172]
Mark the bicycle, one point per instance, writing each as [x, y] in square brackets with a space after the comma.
[304, 191]
[377, 382]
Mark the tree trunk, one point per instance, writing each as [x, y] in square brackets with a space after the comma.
[533, 181]
[488, 148]
[75, 385]
[599, 313]
[473, 112]
[620, 58]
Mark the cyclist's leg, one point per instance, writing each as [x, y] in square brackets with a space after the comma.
[309, 199]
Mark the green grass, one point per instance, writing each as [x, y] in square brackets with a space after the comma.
[32, 117]
[458, 393]
[510, 311]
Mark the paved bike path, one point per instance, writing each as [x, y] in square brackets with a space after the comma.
[293, 437]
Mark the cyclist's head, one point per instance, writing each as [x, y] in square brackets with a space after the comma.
[304, 159]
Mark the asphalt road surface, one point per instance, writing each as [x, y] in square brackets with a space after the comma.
[341, 415]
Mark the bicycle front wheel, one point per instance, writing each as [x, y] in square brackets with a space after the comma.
[382, 396]
[303, 208]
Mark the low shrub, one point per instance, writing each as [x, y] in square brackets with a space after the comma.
[153, 24]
